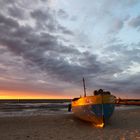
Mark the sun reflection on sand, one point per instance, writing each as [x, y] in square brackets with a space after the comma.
[99, 125]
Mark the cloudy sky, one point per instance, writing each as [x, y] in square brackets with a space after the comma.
[48, 46]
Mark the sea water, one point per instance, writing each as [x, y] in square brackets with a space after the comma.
[33, 107]
[9, 108]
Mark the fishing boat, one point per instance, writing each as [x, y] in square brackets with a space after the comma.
[96, 109]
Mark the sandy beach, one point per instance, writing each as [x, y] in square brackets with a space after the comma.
[124, 125]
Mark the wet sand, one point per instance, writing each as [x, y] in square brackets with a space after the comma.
[124, 125]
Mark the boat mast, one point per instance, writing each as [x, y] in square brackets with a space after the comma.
[84, 87]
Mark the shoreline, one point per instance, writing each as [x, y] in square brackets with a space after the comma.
[123, 125]
[39, 112]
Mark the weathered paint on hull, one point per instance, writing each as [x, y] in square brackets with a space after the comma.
[96, 109]
[98, 113]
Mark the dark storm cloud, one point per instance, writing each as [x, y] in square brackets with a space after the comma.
[6, 2]
[17, 12]
[64, 30]
[39, 15]
[130, 84]
[125, 59]
[26, 43]
[62, 14]
[43, 47]
[44, 0]
[23, 41]
[47, 20]
[44, 19]
[125, 53]
[8, 22]
[135, 22]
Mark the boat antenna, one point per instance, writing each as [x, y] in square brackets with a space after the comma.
[84, 87]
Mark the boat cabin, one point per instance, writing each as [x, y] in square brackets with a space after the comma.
[101, 92]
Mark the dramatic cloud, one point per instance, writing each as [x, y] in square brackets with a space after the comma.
[43, 50]
[16, 12]
[135, 22]
[62, 14]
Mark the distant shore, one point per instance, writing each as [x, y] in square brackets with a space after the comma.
[124, 125]
[33, 100]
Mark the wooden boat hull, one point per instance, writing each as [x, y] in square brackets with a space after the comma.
[96, 109]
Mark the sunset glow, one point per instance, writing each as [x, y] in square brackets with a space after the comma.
[28, 95]
[48, 46]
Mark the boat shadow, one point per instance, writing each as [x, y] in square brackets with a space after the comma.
[127, 119]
